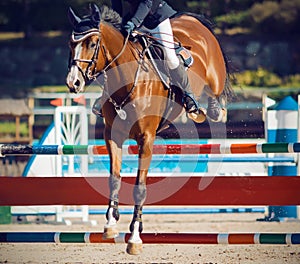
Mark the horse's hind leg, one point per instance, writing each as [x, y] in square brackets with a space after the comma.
[134, 246]
[112, 214]
[216, 110]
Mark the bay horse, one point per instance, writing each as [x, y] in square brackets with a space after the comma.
[135, 101]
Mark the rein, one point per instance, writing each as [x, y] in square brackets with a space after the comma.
[91, 74]
[115, 58]
[119, 107]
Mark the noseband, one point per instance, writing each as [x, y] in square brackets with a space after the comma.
[90, 73]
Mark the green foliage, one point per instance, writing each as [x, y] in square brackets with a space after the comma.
[9, 128]
[262, 16]
[276, 16]
[292, 81]
[234, 19]
[264, 78]
[259, 78]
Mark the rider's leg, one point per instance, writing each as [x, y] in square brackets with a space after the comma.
[178, 75]
[179, 78]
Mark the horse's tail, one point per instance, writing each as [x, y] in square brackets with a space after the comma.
[228, 91]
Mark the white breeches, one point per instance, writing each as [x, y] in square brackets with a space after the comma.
[164, 34]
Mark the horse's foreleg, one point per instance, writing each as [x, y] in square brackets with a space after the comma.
[135, 243]
[112, 214]
[134, 246]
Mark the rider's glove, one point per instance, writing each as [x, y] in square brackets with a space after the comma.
[129, 27]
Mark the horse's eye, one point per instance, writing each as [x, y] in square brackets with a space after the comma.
[92, 45]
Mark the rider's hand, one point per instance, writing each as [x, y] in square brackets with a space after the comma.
[129, 27]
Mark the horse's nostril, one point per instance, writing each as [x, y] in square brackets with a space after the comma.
[77, 83]
[72, 90]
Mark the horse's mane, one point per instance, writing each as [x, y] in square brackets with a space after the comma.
[110, 16]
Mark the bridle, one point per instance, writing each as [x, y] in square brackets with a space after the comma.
[90, 73]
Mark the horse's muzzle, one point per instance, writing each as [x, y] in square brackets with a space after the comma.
[72, 90]
[75, 83]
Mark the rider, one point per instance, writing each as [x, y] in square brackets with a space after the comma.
[154, 16]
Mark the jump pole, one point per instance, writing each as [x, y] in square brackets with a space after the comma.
[173, 191]
[152, 238]
[245, 148]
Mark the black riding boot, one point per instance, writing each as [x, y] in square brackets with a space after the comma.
[180, 79]
[97, 108]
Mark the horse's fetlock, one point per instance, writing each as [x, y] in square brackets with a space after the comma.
[132, 226]
[137, 217]
[116, 214]
[113, 210]
[141, 227]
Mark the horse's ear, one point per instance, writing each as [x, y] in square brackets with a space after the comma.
[95, 13]
[74, 20]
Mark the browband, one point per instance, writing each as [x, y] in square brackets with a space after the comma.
[80, 36]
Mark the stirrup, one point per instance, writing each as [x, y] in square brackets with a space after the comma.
[191, 106]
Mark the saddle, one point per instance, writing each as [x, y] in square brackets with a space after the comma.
[183, 53]
[156, 55]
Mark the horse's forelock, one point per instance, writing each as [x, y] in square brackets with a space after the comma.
[88, 23]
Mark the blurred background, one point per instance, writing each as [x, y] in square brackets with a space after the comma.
[260, 38]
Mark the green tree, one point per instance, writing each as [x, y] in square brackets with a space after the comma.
[38, 15]
[276, 16]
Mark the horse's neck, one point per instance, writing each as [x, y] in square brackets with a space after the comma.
[122, 72]
[114, 41]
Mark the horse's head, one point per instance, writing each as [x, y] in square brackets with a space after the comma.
[84, 45]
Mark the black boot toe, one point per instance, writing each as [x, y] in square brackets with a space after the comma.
[190, 105]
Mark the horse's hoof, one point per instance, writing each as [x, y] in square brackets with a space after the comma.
[199, 116]
[110, 232]
[134, 248]
[220, 117]
[224, 117]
